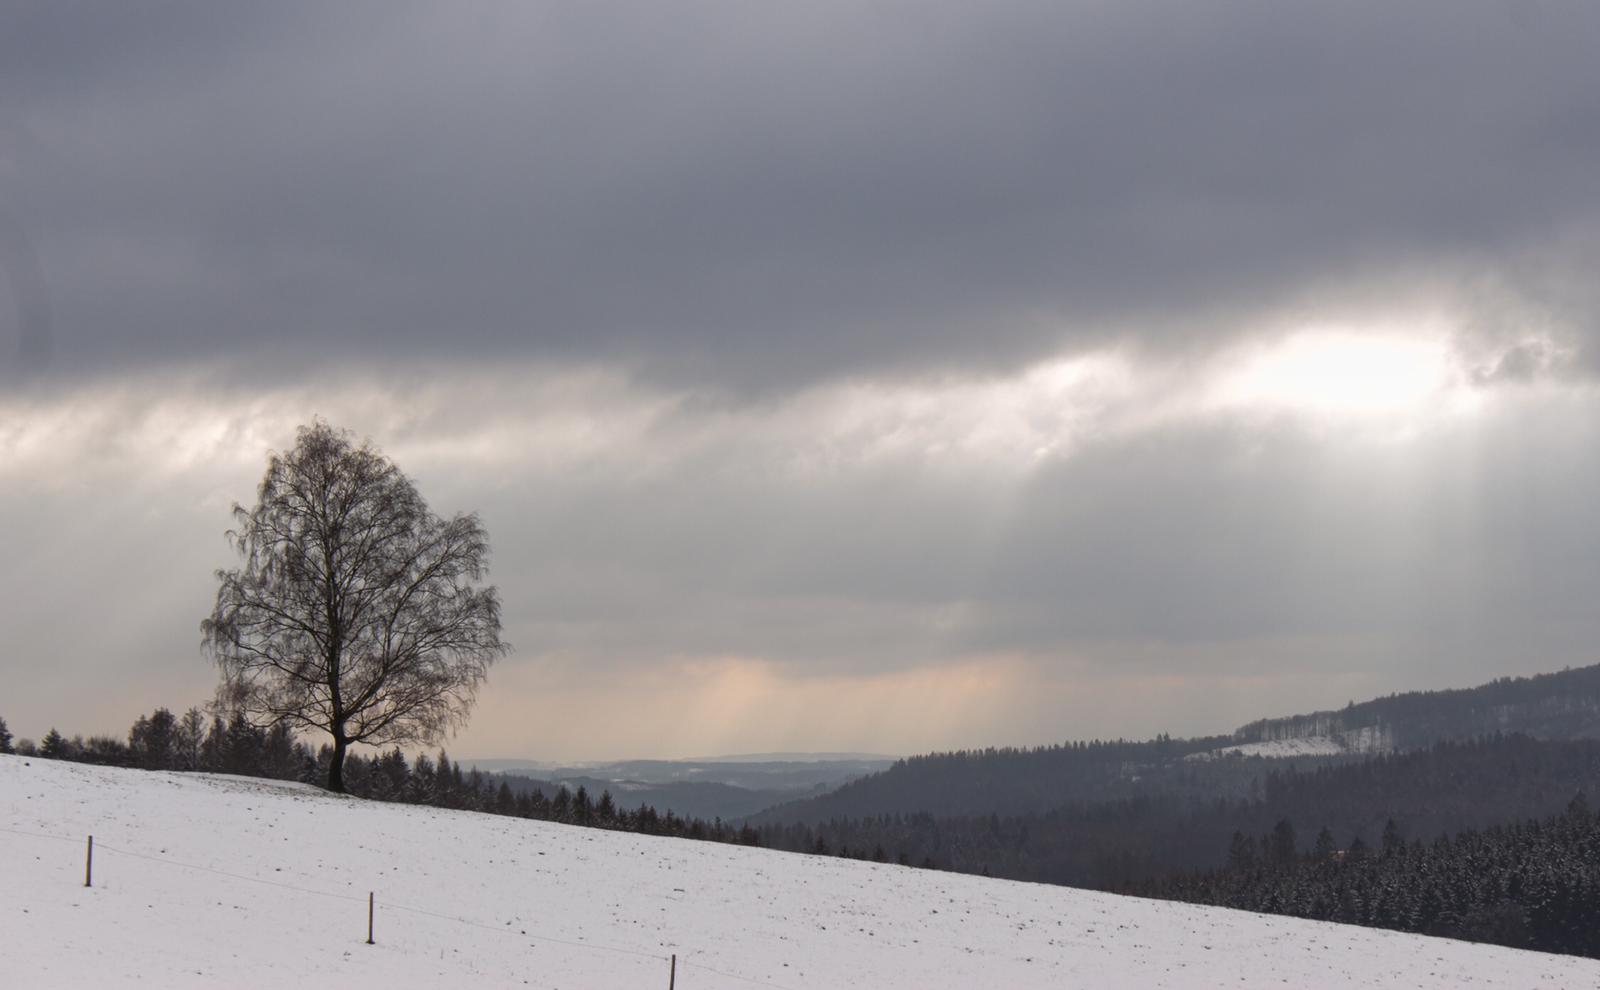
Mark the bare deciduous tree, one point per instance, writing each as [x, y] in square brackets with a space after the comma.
[357, 611]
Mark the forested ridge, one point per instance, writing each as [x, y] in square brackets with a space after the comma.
[1561, 705]
[1008, 781]
[1014, 782]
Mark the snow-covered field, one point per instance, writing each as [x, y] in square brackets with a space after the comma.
[222, 882]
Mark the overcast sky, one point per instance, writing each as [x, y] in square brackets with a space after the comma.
[882, 377]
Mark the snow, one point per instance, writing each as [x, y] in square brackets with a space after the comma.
[1279, 749]
[208, 881]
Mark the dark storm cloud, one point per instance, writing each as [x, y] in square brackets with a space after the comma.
[745, 195]
[19, 266]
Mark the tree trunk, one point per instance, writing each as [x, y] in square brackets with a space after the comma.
[336, 765]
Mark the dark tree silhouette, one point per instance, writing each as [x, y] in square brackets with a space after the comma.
[153, 740]
[357, 611]
[191, 737]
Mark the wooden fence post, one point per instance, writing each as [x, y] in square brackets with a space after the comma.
[369, 918]
[672, 979]
[88, 865]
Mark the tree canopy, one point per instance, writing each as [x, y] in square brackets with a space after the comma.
[356, 611]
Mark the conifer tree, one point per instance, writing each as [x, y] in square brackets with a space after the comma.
[191, 736]
[424, 781]
[1394, 844]
[214, 750]
[1324, 849]
[1283, 843]
[394, 776]
[152, 740]
[280, 751]
[1241, 851]
[5, 737]
[540, 805]
[242, 747]
[444, 781]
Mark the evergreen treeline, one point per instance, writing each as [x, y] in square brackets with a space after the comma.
[163, 741]
[1447, 788]
[1533, 885]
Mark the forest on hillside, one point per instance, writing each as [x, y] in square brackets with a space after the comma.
[1530, 884]
[1445, 788]
[1012, 782]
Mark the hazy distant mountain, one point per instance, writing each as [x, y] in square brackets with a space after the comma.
[794, 758]
[726, 787]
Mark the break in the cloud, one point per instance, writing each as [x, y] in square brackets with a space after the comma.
[832, 376]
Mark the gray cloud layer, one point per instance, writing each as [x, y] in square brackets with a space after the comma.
[748, 195]
[741, 324]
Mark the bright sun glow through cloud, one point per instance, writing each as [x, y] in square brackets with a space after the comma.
[1343, 373]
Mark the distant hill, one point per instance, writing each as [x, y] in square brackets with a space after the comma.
[1023, 781]
[1564, 705]
[793, 758]
[1559, 706]
[727, 787]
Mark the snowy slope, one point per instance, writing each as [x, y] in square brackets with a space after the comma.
[512, 903]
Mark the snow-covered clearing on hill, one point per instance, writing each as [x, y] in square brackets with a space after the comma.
[470, 900]
[1279, 749]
